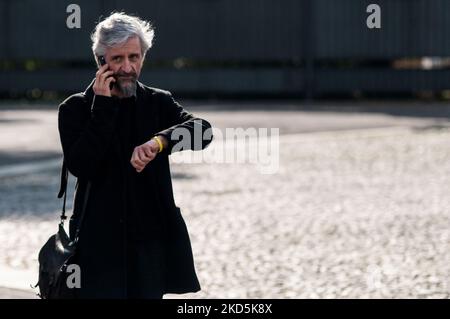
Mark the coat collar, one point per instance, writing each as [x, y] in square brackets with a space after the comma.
[147, 117]
[89, 92]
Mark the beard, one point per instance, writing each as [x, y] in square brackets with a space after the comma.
[126, 83]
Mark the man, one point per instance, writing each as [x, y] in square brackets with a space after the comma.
[117, 136]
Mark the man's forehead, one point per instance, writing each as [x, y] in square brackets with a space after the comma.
[132, 45]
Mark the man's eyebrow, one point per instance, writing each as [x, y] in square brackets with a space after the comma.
[122, 55]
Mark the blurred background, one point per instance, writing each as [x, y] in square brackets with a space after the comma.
[358, 207]
[222, 48]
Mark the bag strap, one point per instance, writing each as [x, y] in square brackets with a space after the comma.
[83, 211]
[63, 189]
[63, 192]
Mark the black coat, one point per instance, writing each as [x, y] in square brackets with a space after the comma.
[94, 152]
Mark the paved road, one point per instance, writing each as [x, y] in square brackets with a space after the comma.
[348, 214]
[31, 134]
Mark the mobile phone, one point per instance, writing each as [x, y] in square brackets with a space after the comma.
[102, 60]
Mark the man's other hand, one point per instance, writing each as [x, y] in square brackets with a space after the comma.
[144, 154]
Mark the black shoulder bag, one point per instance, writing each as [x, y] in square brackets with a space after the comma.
[58, 251]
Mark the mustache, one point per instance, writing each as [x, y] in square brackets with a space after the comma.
[122, 74]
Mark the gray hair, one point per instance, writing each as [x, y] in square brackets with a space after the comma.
[117, 29]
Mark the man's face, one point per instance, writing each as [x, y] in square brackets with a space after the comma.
[126, 62]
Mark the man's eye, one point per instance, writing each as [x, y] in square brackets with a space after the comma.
[117, 59]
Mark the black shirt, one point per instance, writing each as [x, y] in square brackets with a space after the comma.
[143, 196]
[144, 246]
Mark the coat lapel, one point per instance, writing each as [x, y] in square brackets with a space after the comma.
[147, 117]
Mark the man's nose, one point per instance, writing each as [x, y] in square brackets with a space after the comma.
[126, 66]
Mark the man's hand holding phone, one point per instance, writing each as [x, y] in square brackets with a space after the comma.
[103, 79]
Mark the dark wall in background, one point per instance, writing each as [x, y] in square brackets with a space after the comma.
[298, 47]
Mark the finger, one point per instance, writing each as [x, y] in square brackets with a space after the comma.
[137, 166]
[147, 147]
[148, 156]
[136, 159]
[106, 74]
[133, 160]
[139, 169]
[148, 151]
[109, 80]
[101, 70]
[98, 77]
[143, 156]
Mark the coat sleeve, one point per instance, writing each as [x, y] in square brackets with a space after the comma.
[183, 130]
[85, 138]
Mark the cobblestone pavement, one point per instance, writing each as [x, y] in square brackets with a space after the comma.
[350, 214]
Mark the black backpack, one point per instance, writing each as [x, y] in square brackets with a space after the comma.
[59, 252]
